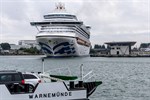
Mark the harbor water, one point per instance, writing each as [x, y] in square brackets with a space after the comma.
[123, 78]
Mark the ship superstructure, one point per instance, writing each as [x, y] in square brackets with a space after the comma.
[61, 34]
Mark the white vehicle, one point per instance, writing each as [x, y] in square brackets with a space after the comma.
[32, 79]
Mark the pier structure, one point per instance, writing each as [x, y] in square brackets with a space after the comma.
[120, 48]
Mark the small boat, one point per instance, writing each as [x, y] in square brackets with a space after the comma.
[47, 91]
[61, 87]
[55, 90]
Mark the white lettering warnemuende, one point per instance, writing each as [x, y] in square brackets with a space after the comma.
[50, 95]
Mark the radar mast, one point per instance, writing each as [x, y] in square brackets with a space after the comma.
[60, 6]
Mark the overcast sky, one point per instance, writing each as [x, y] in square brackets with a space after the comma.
[110, 20]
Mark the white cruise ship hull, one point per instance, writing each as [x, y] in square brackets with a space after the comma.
[62, 46]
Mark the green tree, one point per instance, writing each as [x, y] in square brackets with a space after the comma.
[103, 46]
[32, 50]
[144, 45]
[96, 46]
[5, 46]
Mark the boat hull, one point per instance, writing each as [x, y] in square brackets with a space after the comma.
[44, 91]
[62, 46]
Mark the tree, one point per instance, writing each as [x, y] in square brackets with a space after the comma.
[108, 47]
[103, 46]
[96, 46]
[32, 50]
[144, 45]
[5, 46]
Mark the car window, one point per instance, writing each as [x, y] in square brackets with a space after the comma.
[17, 77]
[28, 76]
[5, 78]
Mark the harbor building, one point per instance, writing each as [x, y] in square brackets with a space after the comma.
[120, 48]
[28, 44]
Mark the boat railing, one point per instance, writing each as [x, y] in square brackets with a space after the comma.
[85, 77]
[62, 71]
[47, 77]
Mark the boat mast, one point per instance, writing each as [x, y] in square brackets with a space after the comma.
[43, 65]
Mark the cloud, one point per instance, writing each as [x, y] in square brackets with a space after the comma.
[111, 20]
[117, 17]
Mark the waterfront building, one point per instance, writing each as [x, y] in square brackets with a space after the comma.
[101, 52]
[28, 43]
[120, 48]
[15, 47]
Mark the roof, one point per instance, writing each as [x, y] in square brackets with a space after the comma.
[7, 71]
[121, 43]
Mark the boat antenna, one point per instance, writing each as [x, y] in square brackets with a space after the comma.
[43, 65]
[60, 6]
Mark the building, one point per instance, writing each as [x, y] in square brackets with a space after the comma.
[120, 48]
[15, 47]
[101, 52]
[28, 43]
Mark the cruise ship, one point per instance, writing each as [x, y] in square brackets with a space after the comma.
[61, 34]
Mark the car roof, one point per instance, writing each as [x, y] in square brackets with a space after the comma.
[30, 73]
[33, 74]
[8, 71]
